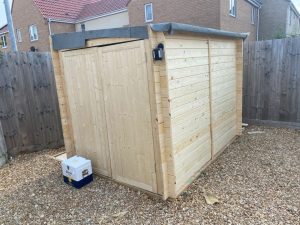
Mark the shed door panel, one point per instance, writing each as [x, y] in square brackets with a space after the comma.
[85, 96]
[127, 106]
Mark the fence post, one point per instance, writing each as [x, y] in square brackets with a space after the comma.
[3, 149]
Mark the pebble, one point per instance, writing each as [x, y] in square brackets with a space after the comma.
[256, 179]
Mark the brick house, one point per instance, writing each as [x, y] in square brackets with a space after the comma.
[4, 38]
[279, 18]
[35, 20]
[231, 15]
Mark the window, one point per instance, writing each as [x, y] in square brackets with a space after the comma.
[232, 8]
[33, 32]
[149, 12]
[253, 15]
[19, 35]
[3, 41]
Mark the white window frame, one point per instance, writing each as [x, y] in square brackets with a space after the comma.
[232, 8]
[145, 9]
[4, 43]
[19, 35]
[253, 15]
[37, 34]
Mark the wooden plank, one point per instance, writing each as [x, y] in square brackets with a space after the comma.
[185, 44]
[108, 41]
[162, 96]
[185, 72]
[158, 148]
[291, 125]
[86, 103]
[63, 103]
[3, 149]
[128, 114]
[188, 62]
[239, 87]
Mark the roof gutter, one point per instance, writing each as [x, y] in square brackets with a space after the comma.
[258, 23]
[60, 21]
[49, 27]
[178, 27]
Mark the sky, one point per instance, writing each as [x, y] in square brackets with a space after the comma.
[2, 13]
[3, 17]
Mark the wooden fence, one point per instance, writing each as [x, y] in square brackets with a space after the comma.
[272, 82]
[29, 110]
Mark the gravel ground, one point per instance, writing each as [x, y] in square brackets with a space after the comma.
[257, 180]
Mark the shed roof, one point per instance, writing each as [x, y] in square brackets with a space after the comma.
[78, 40]
[180, 27]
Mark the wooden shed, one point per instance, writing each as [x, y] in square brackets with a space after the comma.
[150, 120]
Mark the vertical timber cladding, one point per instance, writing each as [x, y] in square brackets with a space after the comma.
[127, 106]
[110, 108]
[85, 95]
[188, 77]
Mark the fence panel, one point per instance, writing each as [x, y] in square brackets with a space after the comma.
[272, 82]
[29, 109]
[3, 150]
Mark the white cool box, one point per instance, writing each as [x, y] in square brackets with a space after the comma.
[77, 171]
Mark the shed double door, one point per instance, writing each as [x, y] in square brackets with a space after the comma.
[108, 96]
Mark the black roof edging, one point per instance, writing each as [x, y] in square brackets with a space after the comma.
[77, 40]
[179, 27]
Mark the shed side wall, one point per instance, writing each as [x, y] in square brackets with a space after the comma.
[188, 78]
[223, 92]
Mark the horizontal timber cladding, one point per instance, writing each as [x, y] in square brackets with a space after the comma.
[152, 124]
[189, 107]
[223, 92]
[204, 104]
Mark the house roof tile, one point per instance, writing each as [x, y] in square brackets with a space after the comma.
[71, 11]
[4, 29]
[101, 8]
